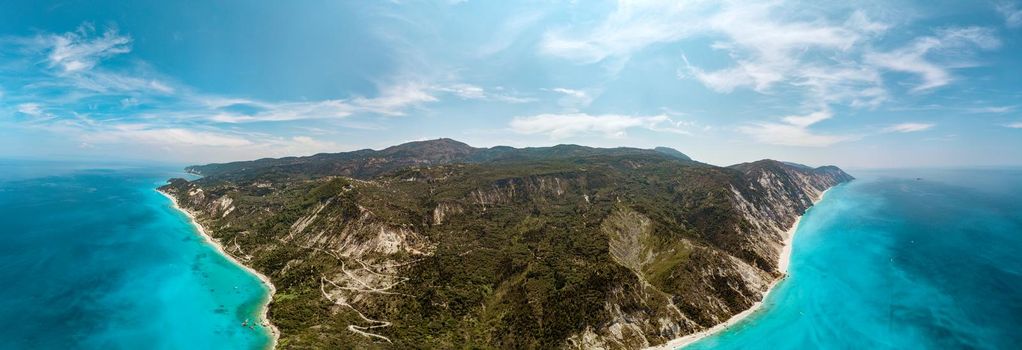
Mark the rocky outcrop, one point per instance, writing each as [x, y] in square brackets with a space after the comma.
[775, 195]
[772, 196]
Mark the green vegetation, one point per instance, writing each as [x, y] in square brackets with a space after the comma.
[440, 245]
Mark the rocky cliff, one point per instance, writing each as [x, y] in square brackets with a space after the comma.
[441, 245]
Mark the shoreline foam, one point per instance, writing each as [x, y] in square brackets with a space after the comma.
[782, 264]
[265, 308]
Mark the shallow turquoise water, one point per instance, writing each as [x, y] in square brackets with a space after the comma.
[94, 258]
[892, 262]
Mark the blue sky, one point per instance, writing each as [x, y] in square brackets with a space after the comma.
[859, 84]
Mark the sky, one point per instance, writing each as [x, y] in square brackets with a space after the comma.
[856, 84]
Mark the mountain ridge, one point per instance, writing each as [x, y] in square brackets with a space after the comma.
[450, 245]
[429, 152]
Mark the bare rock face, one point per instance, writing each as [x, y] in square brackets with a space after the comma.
[438, 244]
[774, 196]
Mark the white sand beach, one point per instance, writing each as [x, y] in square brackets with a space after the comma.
[783, 262]
[264, 314]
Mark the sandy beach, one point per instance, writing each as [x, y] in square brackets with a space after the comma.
[782, 264]
[264, 314]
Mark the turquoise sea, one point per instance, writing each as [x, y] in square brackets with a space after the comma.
[94, 258]
[900, 259]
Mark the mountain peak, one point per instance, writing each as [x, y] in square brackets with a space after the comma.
[441, 143]
[774, 165]
[443, 148]
[672, 152]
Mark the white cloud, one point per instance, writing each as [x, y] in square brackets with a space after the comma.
[393, 99]
[221, 102]
[473, 92]
[147, 134]
[77, 51]
[579, 94]
[856, 86]
[964, 37]
[1016, 125]
[1012, 13]
[633, 26]
[511, 98]
[32, 109]
[558, 126]
[74, 63]
[908, 127]
[768, 50]
[392, 105]
[913, 58]
[271, 112]
[771, 43]
[573, 98]
[727, 80]
[830, 57]
[186, 143]
[297, 145]
[466, 91]
[78, 74]
[129, 102]
[991, 109]
[793, 131]
[808, 119]
[104, 82]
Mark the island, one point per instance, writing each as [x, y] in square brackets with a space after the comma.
[437, 244]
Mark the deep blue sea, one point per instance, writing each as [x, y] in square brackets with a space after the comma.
[92, 257]
[900, 259]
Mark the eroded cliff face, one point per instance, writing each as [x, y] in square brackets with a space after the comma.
[615, 250]
[773, 196]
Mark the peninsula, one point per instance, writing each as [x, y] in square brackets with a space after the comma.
[439, 244]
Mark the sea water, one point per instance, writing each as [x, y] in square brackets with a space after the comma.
[900, 259]
[92, 257]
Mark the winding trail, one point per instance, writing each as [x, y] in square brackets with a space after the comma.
[362, 286]
[355, 328]
[368, 288]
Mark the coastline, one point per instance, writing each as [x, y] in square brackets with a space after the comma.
[784, 260]
[264, 318]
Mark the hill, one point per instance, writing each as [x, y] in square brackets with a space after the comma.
[438, 244]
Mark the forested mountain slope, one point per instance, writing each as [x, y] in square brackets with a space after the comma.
[437, 244]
